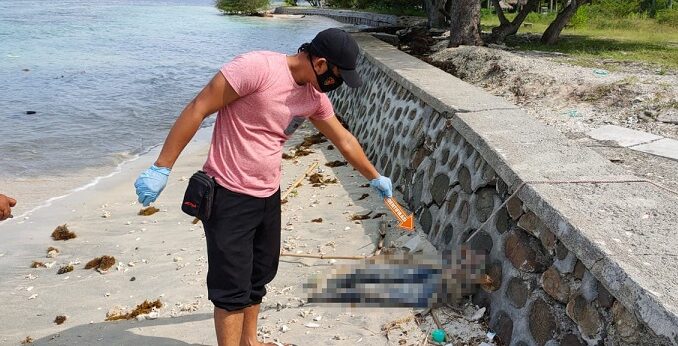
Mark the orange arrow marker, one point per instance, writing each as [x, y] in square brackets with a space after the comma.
[406, 221]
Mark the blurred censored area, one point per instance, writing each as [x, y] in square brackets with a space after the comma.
[402, 280]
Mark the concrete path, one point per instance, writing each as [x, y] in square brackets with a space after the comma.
[637, 140]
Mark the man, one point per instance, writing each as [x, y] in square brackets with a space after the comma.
[261, 97]
[6, 205]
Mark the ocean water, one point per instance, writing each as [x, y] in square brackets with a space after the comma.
[106, 79]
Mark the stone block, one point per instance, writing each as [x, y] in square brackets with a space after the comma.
[626, 326]
[517, 292]
[463, 212]
[426, 220]
[586, 316]
[561, 251]
[503, 326]
[484, 203]
[464, 177]
[571, 340]
[529, 222]
[548, 240]
[502, 223]
[579, 270]
[525, 252]
[605, 299]
[542, 323]
[555, 285]
[494, 271]
[441, 184]
[481, 241]
[515, 208]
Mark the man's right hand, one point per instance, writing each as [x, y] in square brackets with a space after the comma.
[150, 184]
[6, 204]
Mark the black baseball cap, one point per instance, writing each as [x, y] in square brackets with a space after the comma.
[340, 49]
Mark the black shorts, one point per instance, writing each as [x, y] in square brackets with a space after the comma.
[243, 248]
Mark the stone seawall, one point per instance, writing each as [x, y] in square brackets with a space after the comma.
[344, 16]
[584, 253]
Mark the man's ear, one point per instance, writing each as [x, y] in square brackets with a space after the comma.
[320, 65]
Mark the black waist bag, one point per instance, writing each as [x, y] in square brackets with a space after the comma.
[199, 196]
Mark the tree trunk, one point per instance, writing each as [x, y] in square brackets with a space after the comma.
[465, 23]
[507, 27]
[436, 14]
[554, 29]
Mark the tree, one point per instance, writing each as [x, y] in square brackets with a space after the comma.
[554, 29]
[314, 3]
[507, 27]
[437, 12]
[245, 7]
[465, 23]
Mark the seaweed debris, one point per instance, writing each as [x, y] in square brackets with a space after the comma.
[336, 163]
[101, 264]
[65, 269]
[148, 211]
[62, 233]
[60, 319]
[365, 185]
[318, 220]
[330, 147]
[38, 264]
[141, 309]
[312, 139]
[365, 195]
[27, 340]
[318, 179]
[357, 217]
[301, 149]
[52, 252]
[378, 215]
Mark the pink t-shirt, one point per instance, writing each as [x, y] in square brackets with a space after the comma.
[249, 133]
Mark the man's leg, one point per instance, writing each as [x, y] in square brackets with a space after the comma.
[249, 327]
[265, 264]
[230, 234]
[229, 326]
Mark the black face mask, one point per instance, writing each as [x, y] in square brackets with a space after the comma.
[327, 81]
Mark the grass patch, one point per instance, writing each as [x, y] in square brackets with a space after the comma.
[620, 39]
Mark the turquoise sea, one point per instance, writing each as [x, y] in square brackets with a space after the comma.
[89, 83]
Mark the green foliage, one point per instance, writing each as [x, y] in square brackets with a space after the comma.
[340, 3]
[397, 7]
[290, 2]
[668, 17]
[242, 6]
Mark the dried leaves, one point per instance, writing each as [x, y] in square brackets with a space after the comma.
[62, 233]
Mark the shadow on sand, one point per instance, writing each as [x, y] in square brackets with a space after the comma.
[122, 333]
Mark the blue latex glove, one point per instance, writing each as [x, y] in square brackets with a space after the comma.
[150, 184]
[383, 185]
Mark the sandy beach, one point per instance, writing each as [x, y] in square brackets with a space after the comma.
[162, 256]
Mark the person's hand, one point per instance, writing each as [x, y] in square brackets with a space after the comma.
[383, 185]
[6, 204]
[151, 183]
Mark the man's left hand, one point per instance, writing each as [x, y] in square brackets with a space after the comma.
[383, 185]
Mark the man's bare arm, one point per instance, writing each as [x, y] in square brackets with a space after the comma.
[215, 95]
[347, 144]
